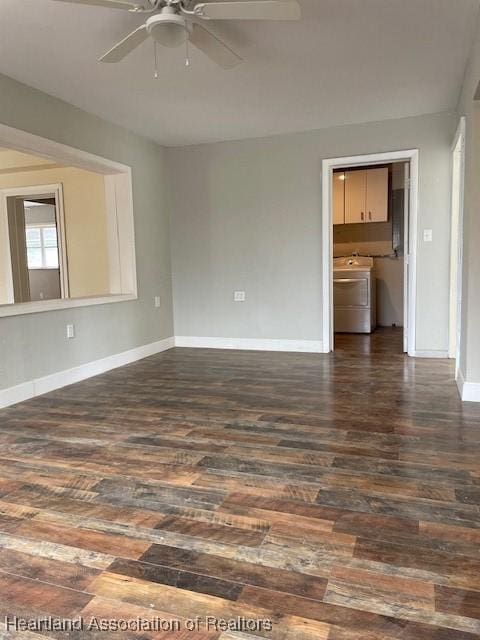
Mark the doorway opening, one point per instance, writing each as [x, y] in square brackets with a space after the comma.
[38, 267]
[369, 239]
[456, 244]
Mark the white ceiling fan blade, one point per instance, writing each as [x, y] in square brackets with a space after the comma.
[111, 4]
[260, 10]
[126, 46]
[214, 48]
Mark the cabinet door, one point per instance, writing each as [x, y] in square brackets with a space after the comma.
[377, 195]
[355, 196]
[339, 198]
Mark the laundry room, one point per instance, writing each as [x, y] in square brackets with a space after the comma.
[370, 210]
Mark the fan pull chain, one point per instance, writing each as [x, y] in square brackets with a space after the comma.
[187, 56]
[156, 59]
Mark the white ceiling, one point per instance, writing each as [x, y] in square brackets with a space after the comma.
[347, 61]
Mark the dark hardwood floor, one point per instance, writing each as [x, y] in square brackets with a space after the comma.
[337, 496]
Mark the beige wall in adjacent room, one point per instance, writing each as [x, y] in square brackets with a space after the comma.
[85, 222]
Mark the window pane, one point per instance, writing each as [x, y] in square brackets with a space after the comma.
[49, 236]
[51, 258]
[34, 258]
[33, 237]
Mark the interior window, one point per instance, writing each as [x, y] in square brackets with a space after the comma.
[42, 247]
[53, 231]
[61, 231]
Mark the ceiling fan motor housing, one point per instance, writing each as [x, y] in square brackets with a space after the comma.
[168, 28]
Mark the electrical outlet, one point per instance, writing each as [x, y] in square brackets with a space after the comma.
[239, 296]
[157, 302]
[70, 331]
[427, 235]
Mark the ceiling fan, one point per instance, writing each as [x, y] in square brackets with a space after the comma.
[175, 22]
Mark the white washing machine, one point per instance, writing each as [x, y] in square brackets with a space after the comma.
[354, 295]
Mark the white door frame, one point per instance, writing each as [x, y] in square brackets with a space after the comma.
[406, 244]
[328, 165]
[56, 190]
[456, 244]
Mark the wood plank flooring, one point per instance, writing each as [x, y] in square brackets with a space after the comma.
[336, 496]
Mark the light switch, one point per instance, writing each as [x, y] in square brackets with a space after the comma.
[427, 235]
[157, 302]
[70, 331]
[239, 296]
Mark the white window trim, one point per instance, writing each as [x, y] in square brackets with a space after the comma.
[120, 223]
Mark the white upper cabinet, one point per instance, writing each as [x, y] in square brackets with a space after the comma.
[355, 196]
[339, 198]
[366, 196]
[377, 195]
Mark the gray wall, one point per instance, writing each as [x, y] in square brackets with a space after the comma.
[35, 345]
[247, 215]
[470, 347]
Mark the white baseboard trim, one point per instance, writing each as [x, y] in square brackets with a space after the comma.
[16, 394]
[430, 354]
[250, 344]
[469, 391]
[37, 387]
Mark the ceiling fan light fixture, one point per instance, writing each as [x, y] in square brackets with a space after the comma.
[173, 23]
[168, 29]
